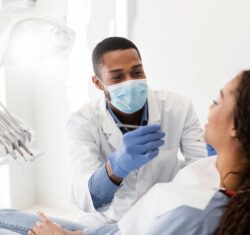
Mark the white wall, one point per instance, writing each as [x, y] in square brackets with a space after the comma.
[7, 1]
[192, 47]
[38, 96]
[50, 113]
[19, 101]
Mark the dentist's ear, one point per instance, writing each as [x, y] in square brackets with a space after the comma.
[97, 83]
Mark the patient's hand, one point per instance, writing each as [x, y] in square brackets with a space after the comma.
[46, 227]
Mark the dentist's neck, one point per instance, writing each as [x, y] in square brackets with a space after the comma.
[132, 119]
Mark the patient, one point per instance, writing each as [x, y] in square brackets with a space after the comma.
[201, 200]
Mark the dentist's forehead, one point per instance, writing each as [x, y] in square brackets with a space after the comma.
[119, 58]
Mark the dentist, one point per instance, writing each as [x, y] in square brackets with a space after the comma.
[113, 163]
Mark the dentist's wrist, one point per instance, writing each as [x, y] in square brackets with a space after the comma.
[115, 179]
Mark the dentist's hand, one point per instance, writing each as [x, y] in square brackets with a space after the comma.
[137, 148]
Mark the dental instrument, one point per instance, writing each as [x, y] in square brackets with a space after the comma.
[127, 126]
[14, 137]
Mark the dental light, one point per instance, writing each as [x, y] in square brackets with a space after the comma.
[34, 40]
[34, 32]
[31, 32]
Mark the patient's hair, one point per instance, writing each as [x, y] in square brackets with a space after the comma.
[236, 216]
[107, 45]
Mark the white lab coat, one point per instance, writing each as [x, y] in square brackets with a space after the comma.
[93, 136]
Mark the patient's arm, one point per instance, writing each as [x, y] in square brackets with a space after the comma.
[46, 227]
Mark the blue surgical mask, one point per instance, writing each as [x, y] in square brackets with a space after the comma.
[129, 96]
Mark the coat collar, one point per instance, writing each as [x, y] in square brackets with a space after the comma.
[154, 111]
[110, 129]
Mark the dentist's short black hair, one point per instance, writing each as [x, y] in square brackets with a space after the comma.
[107, 45]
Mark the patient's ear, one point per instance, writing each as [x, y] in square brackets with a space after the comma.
[97, 83]
[232, 128]
[233, 132]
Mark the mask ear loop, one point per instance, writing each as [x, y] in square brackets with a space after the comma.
[105, 90]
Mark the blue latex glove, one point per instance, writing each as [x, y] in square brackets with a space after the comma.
[137, 148]
[210, 150]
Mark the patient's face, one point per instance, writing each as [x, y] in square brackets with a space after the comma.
[220, 127]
